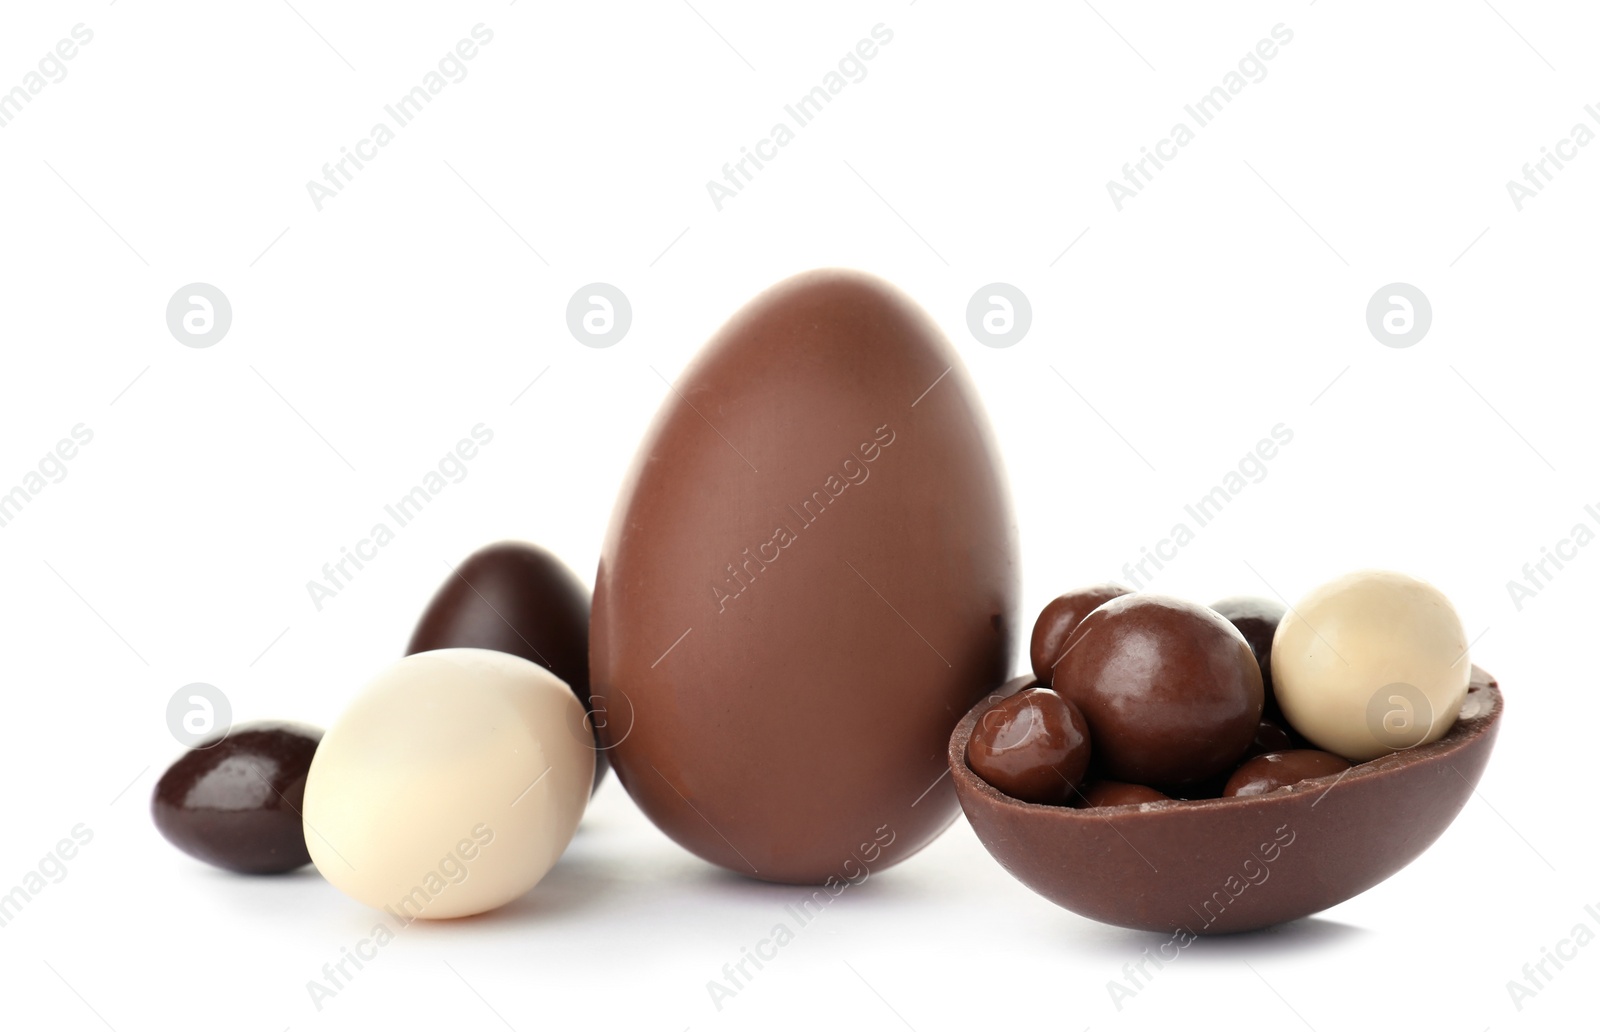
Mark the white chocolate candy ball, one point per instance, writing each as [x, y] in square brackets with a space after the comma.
[451, 785]
[1371, 663]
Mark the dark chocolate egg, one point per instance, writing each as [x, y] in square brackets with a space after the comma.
[810, 575]
[236, 803]
[1059, 619]
[518, 598]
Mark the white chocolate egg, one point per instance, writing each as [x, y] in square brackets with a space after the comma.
[451, 785]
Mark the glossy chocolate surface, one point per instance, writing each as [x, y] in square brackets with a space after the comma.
[1059, 619]
[1271, 737]
[1274, 770]
[236, 804]
[1032, 746]
[1257, 619]
[1170, 689]
[518, 598]
[1119, 793]
[809, 576]
[1232, 865]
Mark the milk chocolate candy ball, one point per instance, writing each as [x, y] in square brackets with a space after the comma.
[450, 786]
[235, 802]
[1257, 619]
[1033, 746]
[1271, 771]
[1371, 663]
[1170, 689]
[518, 598]
[1119, 793]
[1059, 619]
[810, 575]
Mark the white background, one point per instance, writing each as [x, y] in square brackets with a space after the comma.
[367, 337]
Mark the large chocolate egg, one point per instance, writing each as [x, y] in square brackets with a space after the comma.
[518, 598]
[810, 575]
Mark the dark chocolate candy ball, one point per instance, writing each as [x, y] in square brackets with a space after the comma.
[1170, 689]
[518, 598]
[1270, 737]
[236, 803]
[1275, 770]
[1118, 793]
[1033, 746]
[1257, 619]
[1059, 619]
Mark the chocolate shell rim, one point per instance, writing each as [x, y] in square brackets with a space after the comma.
[1461, 733]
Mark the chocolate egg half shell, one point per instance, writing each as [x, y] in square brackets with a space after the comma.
[516, 597]
[810, 575]
[1235, 864]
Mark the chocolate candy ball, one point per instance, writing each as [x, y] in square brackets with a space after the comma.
[1059, 619]
[1272, 771]
[1257, 619]
[235, 803]
[1371, 663]
[1033, 746]
[1170, 689]
[1119, 793]
[1270, 737]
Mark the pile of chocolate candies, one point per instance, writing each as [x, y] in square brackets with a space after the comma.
[478, 737]
[1143, 697]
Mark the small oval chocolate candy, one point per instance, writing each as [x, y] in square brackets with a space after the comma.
[1272, 771]
[1119, 793]
[235, 802]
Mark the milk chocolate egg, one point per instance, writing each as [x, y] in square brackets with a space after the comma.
[235, 802]
[518, 598]
[809, 576]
